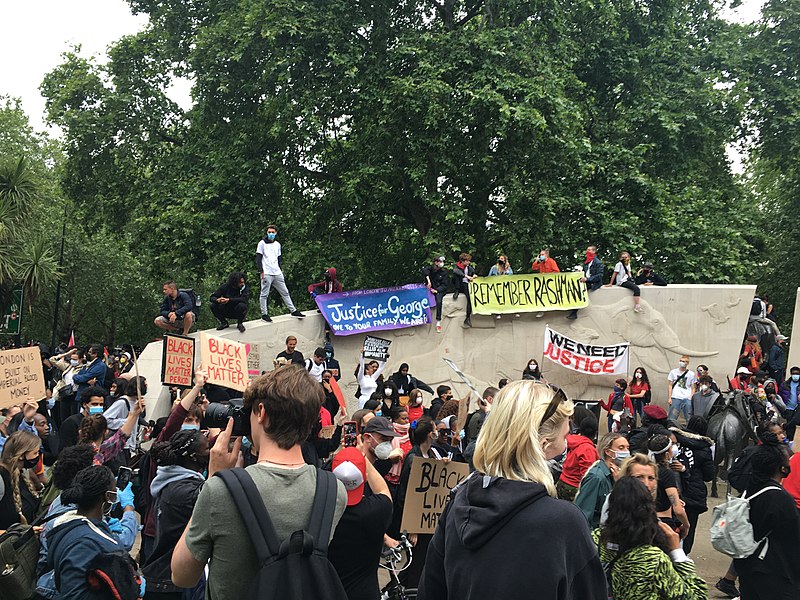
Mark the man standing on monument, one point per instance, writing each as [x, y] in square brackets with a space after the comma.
[269, 262]
[592, 275]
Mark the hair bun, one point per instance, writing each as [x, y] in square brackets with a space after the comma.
[73, 494]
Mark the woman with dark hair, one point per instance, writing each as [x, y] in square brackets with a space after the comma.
[401, 445]
[405, 382]
[390, 398]
[179, 477]
[639, 392]
[532, 372]
[424, 437]
[695, 455]
[644, 555]
[774, 517]
[118, 412]
[369, 377]
[93, 431]
[81, 543]
[616, 404]
[669, 507]
[415, 409]
[116, 391]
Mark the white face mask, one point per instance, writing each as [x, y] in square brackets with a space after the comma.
[532, 366]
[704, 388]
[675, 450]
[638, 376]
[383, 450]
[683, 364]
[387, 391]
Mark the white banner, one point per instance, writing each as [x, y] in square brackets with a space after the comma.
[591, 359]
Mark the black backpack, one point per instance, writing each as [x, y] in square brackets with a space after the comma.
[195, 300]
[298, 567]
[115, 575]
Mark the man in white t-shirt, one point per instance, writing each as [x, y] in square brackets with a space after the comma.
[268, 263]
[682, 384]
[316, 364]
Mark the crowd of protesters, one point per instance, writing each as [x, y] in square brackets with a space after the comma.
[291, 472]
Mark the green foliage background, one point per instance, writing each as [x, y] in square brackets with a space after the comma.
[377, 134]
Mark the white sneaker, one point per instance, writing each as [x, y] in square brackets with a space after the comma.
[438, 327]
[637, 308]
[499, 317]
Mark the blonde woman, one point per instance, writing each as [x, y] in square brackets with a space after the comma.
[18, 495]
[504, 534]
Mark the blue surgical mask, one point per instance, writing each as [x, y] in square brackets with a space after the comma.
[190, 426]
[328, 355]
[271, 236]
[378, 413]
[74, 362]
[246, 443]
[95, 410]
[795, 377]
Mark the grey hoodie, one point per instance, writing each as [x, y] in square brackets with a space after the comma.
[170, 474]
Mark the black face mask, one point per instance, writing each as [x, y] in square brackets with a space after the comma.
[30, 463]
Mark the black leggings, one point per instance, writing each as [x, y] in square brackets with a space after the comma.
[629, 285]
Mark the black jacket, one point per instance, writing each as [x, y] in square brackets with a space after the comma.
[409, 382]
[439, 279]
[174, 506]
[509, 539]
[651, 277]
[233, 292]
[180, 306]
[696, 457]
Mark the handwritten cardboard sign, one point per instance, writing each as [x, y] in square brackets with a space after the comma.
[224, 360]
[21, 376]
[376, 348]
[428, 492]
[177, 361]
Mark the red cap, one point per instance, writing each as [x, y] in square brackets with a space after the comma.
[350, 467]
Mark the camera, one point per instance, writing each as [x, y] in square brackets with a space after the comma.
[217, 416]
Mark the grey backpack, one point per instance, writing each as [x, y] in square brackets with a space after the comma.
[731, 530]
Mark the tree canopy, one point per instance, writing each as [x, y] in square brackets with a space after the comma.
[377, 134]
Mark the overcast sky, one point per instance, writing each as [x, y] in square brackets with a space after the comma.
[36, 32]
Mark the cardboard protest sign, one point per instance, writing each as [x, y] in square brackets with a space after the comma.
[591, 359]
[428, 492]
[359, 311]
[224, 360]
[253, 360]
[177, 361]
[528, 293]
[21, 376]
[376, 348]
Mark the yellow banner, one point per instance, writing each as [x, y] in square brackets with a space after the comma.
[528, 293]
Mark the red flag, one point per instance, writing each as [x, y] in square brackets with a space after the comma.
[71, 338]
[337, 391]
[105, 351]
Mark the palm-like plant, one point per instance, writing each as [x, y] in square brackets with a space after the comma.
[25, 258]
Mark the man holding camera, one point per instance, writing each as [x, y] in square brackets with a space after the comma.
[282, 408]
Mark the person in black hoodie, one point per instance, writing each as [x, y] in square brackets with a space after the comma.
[695, 455]
[230, 301]
[179, 477]
[505, 518]
[436, 281]
[773, 515]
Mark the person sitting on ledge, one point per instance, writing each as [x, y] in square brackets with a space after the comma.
[230, 301]
[646, 276]
[176, 310]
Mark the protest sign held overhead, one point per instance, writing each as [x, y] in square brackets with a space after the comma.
[428, 492]
[376, 348]
[528, 293]
[361, 311]
[224, 360]
[177, 361]
[21, 376]
[592, 359]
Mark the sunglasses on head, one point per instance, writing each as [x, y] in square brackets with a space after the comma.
[557, 399]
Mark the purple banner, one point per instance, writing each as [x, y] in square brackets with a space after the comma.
[362, 311]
